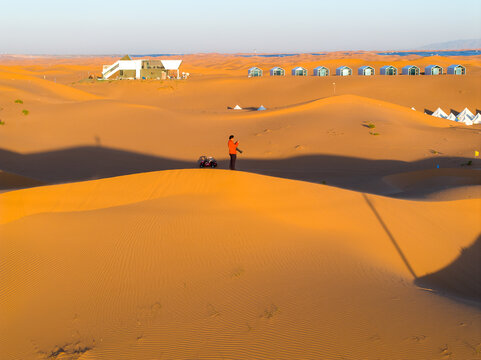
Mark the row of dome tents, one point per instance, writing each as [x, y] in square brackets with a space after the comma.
[363, 71]
[465, 116]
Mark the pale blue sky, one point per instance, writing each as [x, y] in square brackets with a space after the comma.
[192, 26]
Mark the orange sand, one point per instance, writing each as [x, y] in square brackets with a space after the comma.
[354, 247]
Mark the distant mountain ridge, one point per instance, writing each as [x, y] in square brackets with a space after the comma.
[454, 45]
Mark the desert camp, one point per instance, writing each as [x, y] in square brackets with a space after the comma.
[245, 184]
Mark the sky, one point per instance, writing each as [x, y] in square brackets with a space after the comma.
[72, 27]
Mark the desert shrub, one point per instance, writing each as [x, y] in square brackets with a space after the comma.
[371, 126]
[18, 101]
[25, 112]
[2, 122]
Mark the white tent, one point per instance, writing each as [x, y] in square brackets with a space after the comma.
[451, 117]
[237, 107]
[440, 113]
[477, 119]
[465, 115]
[261, 108]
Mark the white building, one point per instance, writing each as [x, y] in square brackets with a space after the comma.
[254, 72]
[433, 70]
[410, 70]
[343, 71]
[366, 70]
[321, 71]
[126, 68]
[277, 71]
[388, 70]
[456, 70]
[299, 71]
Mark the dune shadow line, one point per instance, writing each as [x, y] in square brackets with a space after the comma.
[96, 162]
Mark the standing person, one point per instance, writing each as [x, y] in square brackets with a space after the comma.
[232, 151]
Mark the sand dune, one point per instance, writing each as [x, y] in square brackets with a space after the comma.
[372, 255]
[219, 255]
[38, 87]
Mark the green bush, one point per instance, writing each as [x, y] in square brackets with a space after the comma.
[25, 112]
[18, 101]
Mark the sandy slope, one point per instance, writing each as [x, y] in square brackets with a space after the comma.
[213, 264]
[191, 264]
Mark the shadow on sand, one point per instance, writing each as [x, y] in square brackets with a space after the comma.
[94, 162]
[460, 278]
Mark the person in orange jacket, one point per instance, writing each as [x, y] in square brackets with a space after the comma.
[233, 151]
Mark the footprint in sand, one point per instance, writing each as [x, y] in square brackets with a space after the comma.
[212, 311]
[418, 338]
[266, 131]
[237, 272]
[445, 351]
[270, 311]
[155, 308]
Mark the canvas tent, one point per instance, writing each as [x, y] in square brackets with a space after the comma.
[465, 115]
[452, 117]
[261, 108]
[388, 70]
[254, 72]
[456, 70]
[410, 70]
[433, 70]
[277, 71]
[321, 71]
[237, 107]
[366, 71]
[299, 71]
[440, 113]
[343, 71]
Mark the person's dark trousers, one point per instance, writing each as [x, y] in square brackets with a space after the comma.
[232, 161]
